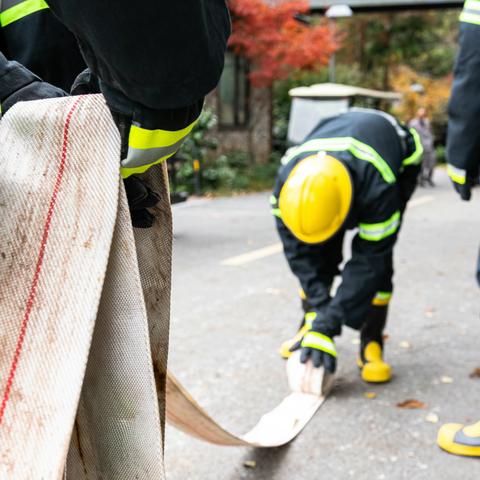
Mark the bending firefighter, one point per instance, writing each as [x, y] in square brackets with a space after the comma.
[355, 170]
[463, 155]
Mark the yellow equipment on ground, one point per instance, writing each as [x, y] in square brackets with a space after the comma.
[460, 439]
[316, 198]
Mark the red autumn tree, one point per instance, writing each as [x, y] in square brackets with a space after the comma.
[267, 33]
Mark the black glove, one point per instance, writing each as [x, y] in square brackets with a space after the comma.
[85, 83]
[18, 84]
[140, 197]
[464, 190]
[318, 344]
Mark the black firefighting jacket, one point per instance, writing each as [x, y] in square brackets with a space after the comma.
[383, 158]
[463, 139]
[34, 37]
[155, 62]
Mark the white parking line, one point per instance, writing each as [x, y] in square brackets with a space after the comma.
[276, 248]
[253, 255]
[420, 201]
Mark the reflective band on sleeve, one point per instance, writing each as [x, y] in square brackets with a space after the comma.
[416, 156]
[471, 12]
[276, 212]
[273, 200]
[309, 318]
[142, 138]
[320, 342]
[382, 299]
[470, 17]
[472, 5]
[150, 147]
[457, 174]
[13, 11]
[378, 231]
[355, 147]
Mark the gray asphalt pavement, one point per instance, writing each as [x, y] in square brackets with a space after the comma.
[234, 302]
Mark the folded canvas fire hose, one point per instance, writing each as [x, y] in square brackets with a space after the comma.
[84, 314]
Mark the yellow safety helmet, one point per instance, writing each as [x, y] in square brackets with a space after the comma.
[316, 198]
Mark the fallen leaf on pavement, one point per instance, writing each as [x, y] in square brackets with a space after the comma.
[370, 395]
[356, 341]
[446, 379]
[405, 344]
[250, 464]
[386, 336]
[432, 418]
[475, 373]
[429, 312]
[411, 404]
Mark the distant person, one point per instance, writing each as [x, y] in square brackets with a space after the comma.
[422, 125]
[463, 157]
[355, 170]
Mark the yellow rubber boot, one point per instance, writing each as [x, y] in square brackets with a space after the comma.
[288, 344]
[458, 439]
[374, 369]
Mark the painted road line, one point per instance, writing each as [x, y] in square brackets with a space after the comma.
[416, 202]
[253, 255]
[276, 248]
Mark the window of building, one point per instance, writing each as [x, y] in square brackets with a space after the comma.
[233, 91]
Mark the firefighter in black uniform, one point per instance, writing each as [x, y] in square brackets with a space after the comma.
[355, 170]
[463, 156]
[154, 64]
[35, 38]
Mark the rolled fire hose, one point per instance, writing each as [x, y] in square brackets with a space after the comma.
[84, 311]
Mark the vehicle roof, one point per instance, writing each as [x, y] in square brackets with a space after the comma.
[337, 90]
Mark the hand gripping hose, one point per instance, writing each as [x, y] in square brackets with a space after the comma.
[84, 311]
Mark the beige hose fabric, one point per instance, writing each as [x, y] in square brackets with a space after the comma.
[84, 311]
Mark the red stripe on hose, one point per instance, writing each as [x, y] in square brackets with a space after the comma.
[38, 267]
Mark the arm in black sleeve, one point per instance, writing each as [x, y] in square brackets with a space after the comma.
[370, 266]
[159, 55]
[19, 84]
[407, 183]
[463, 139]
[315, 266]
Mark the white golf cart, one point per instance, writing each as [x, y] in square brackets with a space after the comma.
[311, 104]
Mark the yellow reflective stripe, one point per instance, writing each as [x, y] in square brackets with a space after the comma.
[126, 171]
[378, 231]
[358, 149]
[273, 200]
[457, 174]
[382, 299]
[310, 317]
[143, 139]
[320, 342]
[21, 10]
[468, 17]
[472, 5]
[416, 156]
[276, 212]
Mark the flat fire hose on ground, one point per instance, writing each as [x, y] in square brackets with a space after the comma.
[84, 314]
